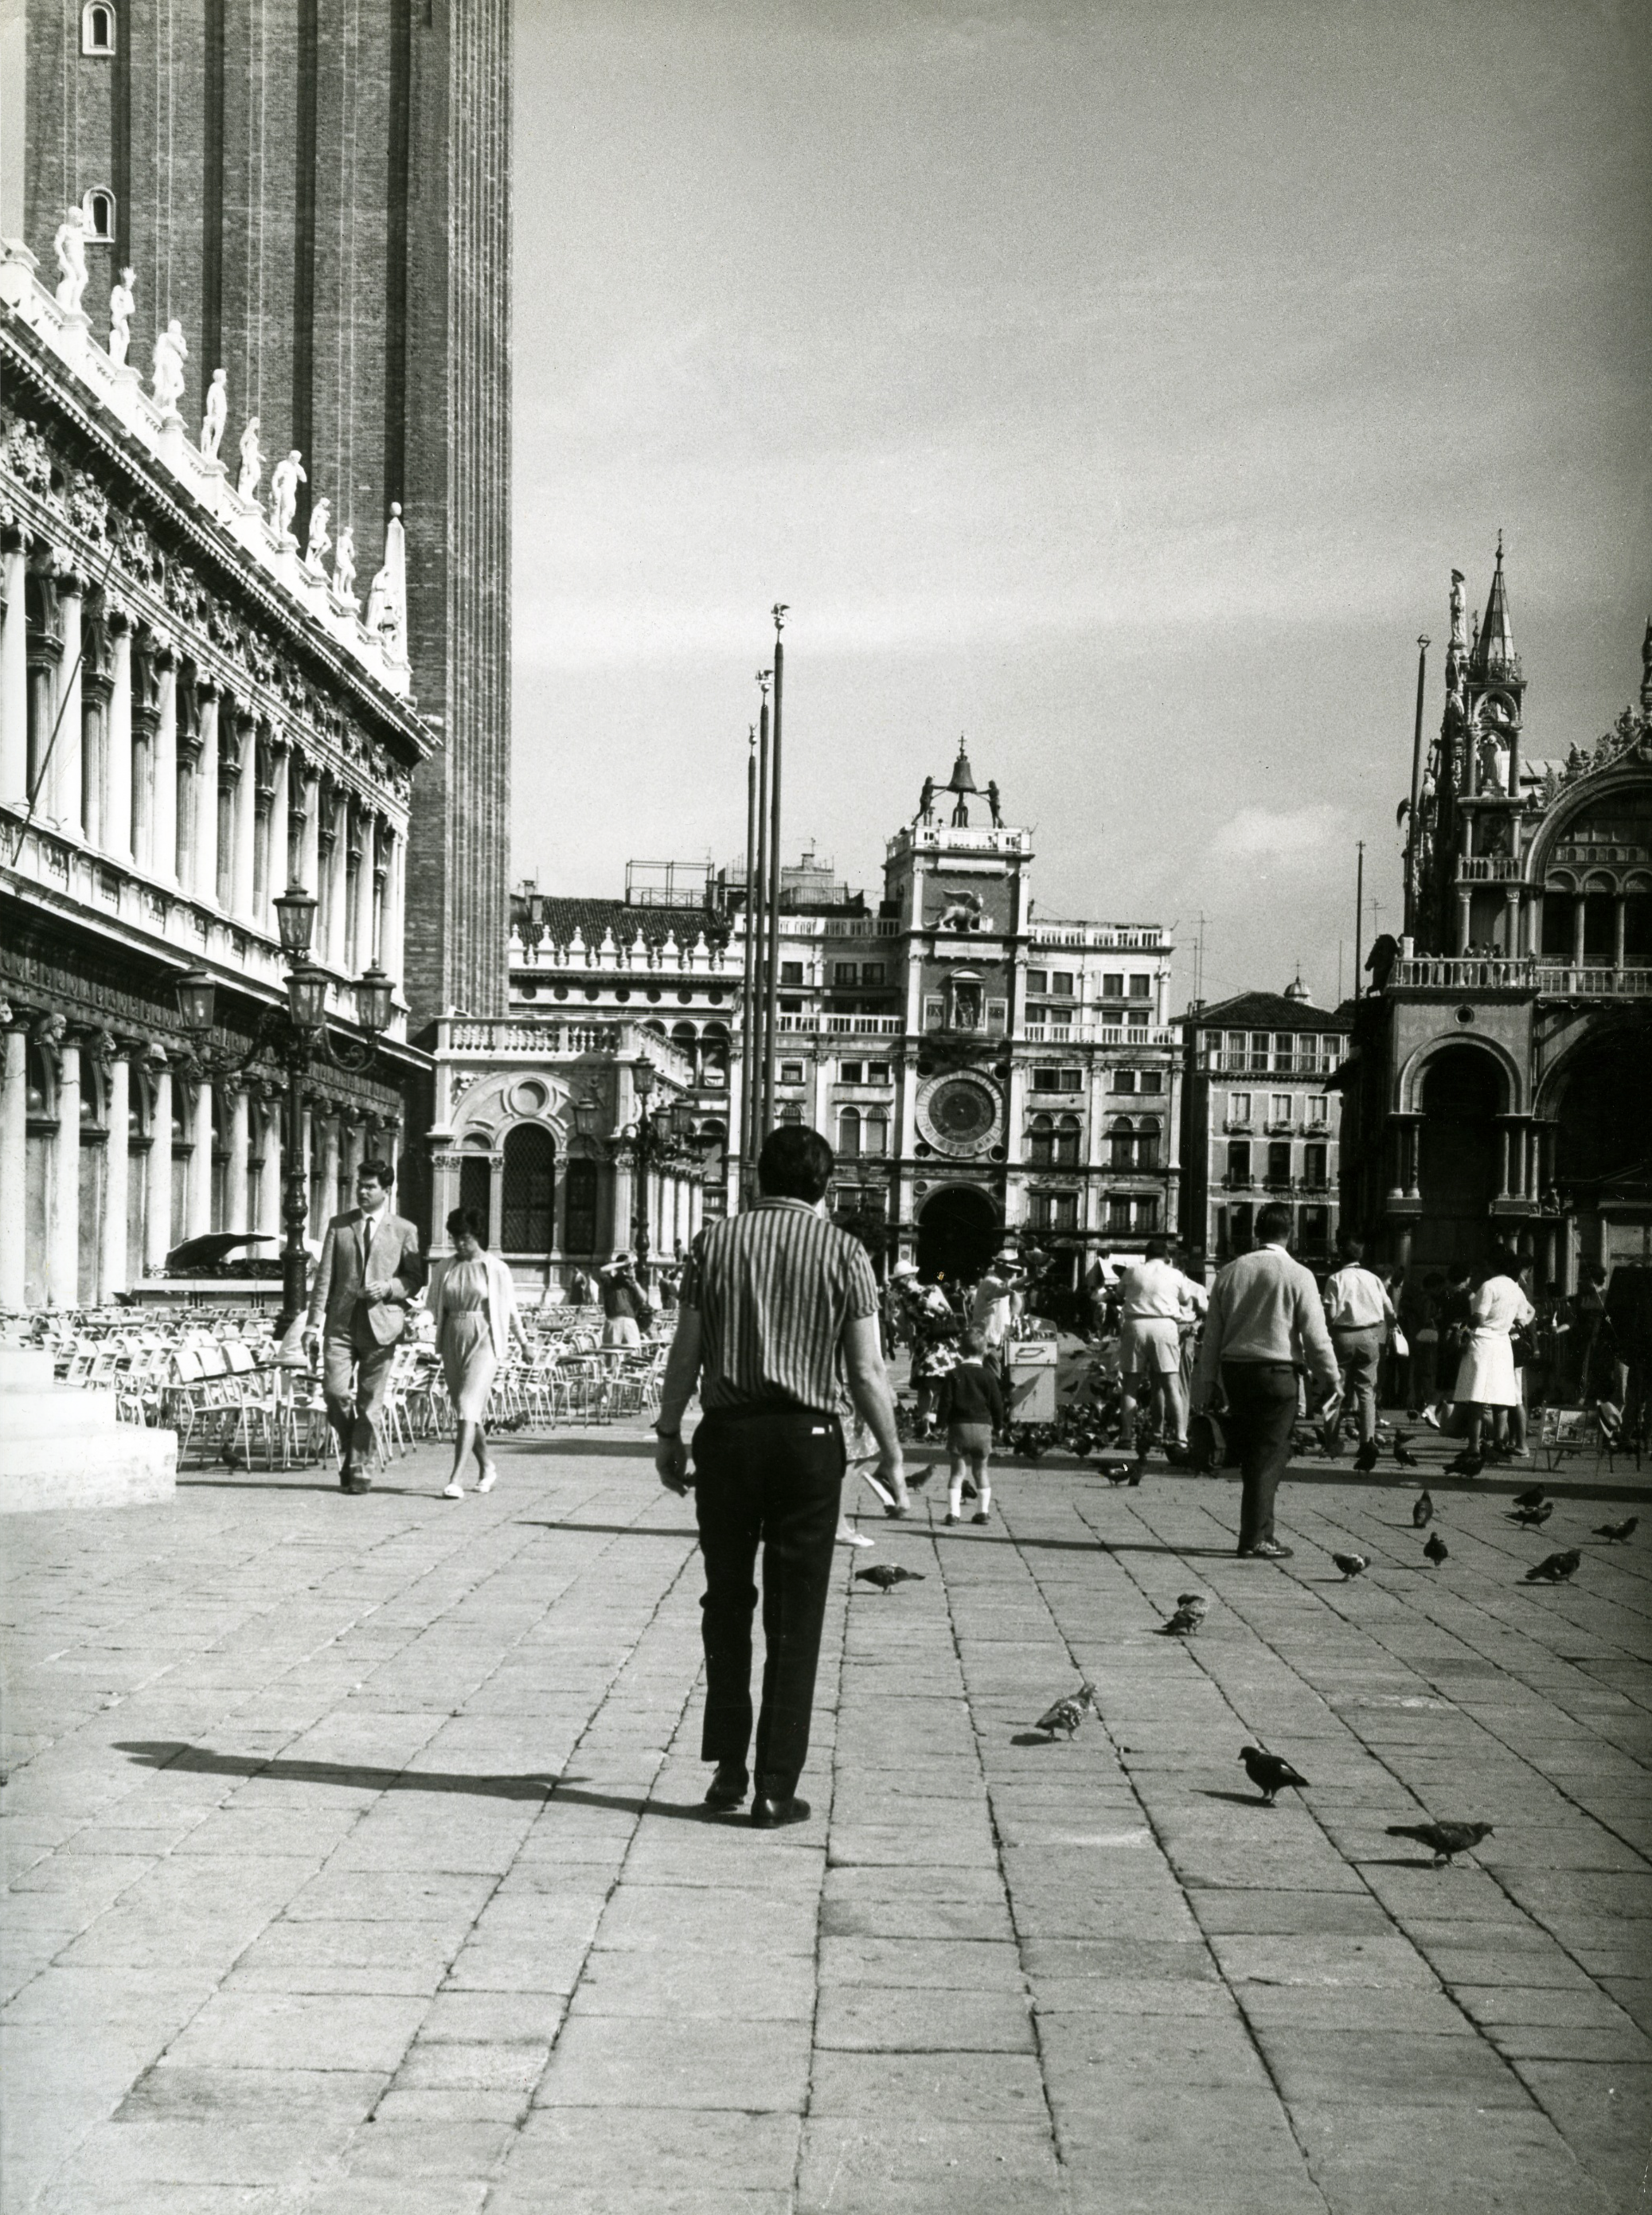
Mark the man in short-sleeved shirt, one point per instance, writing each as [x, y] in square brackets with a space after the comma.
[777, 1306]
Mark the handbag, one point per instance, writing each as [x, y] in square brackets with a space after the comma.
[1399, 1345]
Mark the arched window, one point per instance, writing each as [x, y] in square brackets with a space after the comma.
[1041, 1143]
[713, 1055]
[1069, 1140]
[529, 1190]
[874, 1134]
[849, 1133]
[476, 1182]
[579, 1208]
[98, 207]
[791, 1113]
[97, 27]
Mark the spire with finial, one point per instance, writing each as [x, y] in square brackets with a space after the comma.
[1494, 646]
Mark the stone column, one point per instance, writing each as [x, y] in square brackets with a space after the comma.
[13, 1160]
[236, 1212]
[1579, 907]
[1619, 932]
[1512, 923]
[621, 1187]
[365, 845]
[13, 692]
[114, 1265]
[329, 1166]
[308, 872]
[379, 856]
[1464, 897]
[157, 1174]
[63, 781]
[275, 835]
[244, 871]
[63, 1192]
[197, 1192]
[162, 859]
[269, 1185]
[203, 874]
[391, 934]
[118, 822]
[333, 859]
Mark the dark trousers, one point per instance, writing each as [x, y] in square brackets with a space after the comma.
[774, 1480]
[1261, 1413]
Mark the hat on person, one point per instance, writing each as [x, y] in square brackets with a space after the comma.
[1006, 1253]
[904, 1269]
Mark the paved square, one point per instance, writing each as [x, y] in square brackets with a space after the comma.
[356, 1861]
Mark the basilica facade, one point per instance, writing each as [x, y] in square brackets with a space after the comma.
[1500, 1087]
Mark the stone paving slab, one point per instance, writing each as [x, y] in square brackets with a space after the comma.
[356, 1861]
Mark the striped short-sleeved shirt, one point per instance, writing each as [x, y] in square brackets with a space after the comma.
[774, 1288]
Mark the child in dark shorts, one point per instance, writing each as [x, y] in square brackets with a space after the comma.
[970, 1408]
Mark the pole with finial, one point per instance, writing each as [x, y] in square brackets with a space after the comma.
[748, 973]
[771, 1024]
[1412, 846]
[758, 1057]
[1359, 916]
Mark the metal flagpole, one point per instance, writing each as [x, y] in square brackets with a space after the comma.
[748, 986]
[1358, 918]
[771, 1021]
[759, 924]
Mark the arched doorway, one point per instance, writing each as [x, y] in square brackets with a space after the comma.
[529, 1187]
[957, 1234]
[1603, 1145]
[1462, 1097]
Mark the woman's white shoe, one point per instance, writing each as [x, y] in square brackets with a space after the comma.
[454, 1491]
[485, 1481]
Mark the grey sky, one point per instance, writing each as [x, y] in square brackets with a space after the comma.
[1116, 384]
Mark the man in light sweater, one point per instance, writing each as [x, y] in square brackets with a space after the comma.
[1156, 1300]
[1266, 1324]
[1360, 1315]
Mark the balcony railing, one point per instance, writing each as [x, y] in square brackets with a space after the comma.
[1497, 972]
[843, 1025]
[555, 1040]
[1091, 1033]
[1488, 869]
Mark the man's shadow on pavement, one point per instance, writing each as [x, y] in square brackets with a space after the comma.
[198, 1760]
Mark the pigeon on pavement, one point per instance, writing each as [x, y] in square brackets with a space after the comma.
[1436, 1549]
[1191, 1610]
[1467, 1464]
[886, 1575]
[1422, 1510]
[1534, 1518]
[1609, 1532]
[1269, 1772]
[1351, 1565]
[1555, 1568]
[1402, 1453]
[1442, 1839]
[1531, 1497]
[1066, 1715]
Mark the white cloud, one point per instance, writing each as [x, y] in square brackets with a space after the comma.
[1287, 838]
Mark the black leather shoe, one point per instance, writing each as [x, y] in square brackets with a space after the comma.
[775, 1814]
[354, 1483]
[1266, 1549]
[728, 1787]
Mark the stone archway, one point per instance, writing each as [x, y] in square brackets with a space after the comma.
[1603, 1144]
[958, 1233]
[1461, 1096]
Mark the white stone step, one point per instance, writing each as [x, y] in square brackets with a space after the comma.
[58, 1412]
[122, 1467]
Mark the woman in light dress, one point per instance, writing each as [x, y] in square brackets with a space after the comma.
[1488, 1380]
[473, 1305]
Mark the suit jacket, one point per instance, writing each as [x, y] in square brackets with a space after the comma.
[345, 1300]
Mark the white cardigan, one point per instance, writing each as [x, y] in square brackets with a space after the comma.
[501, 1301]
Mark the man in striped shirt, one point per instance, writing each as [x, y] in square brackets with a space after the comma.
[778, 1307]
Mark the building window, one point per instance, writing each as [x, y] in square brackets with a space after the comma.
[1112, 987]
[874, 1134]
[791, 1113]
[1055, 1211]
[1133, 1146]
[1239, 1161]
[791, 1073]
[1239, 1107]
[1279, 1108]
[844, 972]
[849, 1134]
[1313, 1168]
[877, 1072]
[475, 1186]
[851, 1072]
[1141, 988]
[1038, 981]
[529, 1189]
[1318, 1108]
[1279, 1164]
[791, 972]
[1041, 1143]
[1118, 1213]
[1313, 1230]
[1061, 983]
[579, 1208]
[1069, 1141]
[97, 28]
[98, 207]
[1057, 1080]
[1147, 1212]
[1124, 1080]
[1259, 1050]
[1152, 1080]
[871, 973]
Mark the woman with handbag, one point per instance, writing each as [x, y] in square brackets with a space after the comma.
[1488, 1380]
[473, 1306]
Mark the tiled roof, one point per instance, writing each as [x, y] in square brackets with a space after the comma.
[1268, 1011]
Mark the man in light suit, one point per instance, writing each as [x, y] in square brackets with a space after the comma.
[370, 1270]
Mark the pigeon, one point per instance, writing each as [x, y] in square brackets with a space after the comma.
[1402, 1453]
[1269, 1772]
[1534, 1518]
[1331, 1442]
[1190, 1612]
[1436, 1549]
[1468, 1464]
[1442, 1839]
[1351, 1565]
[1134, 1473]
[886, 1575]
[1067, 1714]
[1422, 1510]
[1531, 1497]
[1556, 1568]
[1366, 1460]
[1609, 1532]
[1301, 1443]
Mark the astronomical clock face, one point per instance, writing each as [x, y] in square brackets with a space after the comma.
[960, 1115]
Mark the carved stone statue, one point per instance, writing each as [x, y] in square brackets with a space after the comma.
[171, 355]
[123, 305]
[285, 480]
[344, 564]
[70, 247]
[217, 414]
[318, 541]
[387, 597]
[992, 803]
[252, 462]
[1459, 635]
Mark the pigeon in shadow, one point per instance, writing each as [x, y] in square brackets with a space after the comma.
[1436, 1549]
[1366, 1460]
[1402, 1453]
[1270, 1772]
[1066, 1715]
[1422, 1510]
[1533, 1519]
[1531, 1497]
[1555, 1568]
[1351, 1565]
[886, 1575]
[1613, 1531]
[1467, 1464]
[1443, 1840]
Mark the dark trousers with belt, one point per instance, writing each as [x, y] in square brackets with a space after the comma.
[1261, 1414]
[772, 1479]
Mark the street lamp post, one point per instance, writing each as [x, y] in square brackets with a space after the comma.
[291, 1037]
[654, 1138]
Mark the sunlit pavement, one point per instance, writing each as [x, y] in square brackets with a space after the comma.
[357, 1860]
